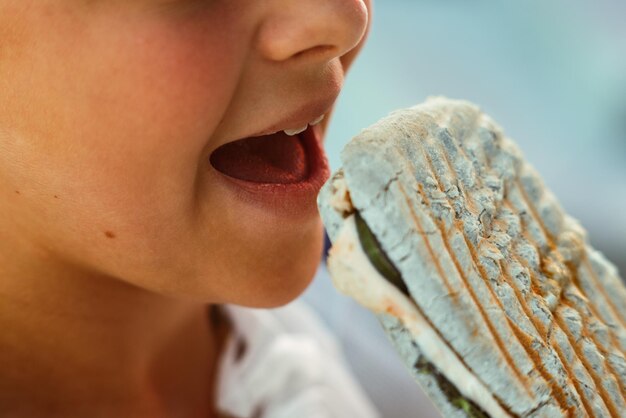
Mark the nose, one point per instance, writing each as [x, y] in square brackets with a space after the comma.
[311, 29]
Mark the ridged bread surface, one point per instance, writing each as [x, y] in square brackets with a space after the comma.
[490, 258]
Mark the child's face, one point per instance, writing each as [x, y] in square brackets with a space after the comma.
[110, 111]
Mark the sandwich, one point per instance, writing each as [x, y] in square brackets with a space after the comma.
[490, 293]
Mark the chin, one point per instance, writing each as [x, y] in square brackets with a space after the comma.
[284, 281]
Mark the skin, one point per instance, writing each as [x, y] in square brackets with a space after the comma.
[115, 235]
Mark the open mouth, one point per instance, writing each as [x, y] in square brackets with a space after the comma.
[280, 172]
[277, 158]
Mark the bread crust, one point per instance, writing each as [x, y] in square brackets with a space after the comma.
[506, 277]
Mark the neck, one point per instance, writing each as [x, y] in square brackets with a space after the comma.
[70, 337]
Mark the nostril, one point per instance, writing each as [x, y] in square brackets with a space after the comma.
[316, 51]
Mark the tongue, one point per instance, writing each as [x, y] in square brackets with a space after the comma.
[276, 158]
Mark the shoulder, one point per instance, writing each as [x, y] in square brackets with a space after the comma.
[284, 361]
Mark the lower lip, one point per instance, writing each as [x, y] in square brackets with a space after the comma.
[295, 199]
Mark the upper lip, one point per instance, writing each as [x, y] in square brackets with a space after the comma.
[302, 116]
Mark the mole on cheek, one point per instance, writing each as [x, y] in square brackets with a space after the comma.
[109, 234]
[17, 192]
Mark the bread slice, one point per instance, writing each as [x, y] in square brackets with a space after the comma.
[500, 306]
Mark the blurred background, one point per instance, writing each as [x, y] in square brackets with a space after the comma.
[552, 73]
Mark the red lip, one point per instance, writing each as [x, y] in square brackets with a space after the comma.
[289, 199]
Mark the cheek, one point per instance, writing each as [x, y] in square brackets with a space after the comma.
[165, 87]
[113, 133]
[152, 109]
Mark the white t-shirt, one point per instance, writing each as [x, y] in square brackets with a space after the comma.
[291, 367]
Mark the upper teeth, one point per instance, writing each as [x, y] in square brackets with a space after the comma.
[292, 132]
[316, 121]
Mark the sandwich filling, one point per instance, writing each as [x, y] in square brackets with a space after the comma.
[360, 269]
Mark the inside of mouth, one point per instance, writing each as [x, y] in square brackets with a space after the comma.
[276, 158]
